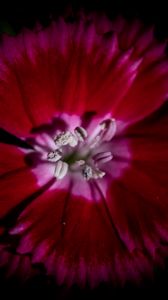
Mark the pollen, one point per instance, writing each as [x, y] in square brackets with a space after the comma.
[65, 138]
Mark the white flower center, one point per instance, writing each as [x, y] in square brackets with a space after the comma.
[82, 157]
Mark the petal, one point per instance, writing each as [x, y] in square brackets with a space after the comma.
[57, 70]
[70, 229]
[12, 107]
[146, 95]
[32, 69]
[136, 196]
[11, 159]
[15, 188]
[77, 240]
[148, 145]
[153, 127]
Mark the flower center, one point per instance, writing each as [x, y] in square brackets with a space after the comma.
[76, 151]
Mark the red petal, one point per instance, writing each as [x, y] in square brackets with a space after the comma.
[154, 127]
[14, 188]
[58, 69]
[78, 240]
[73, 232]
[11, 159]
[146, 95]
[12, 103]
[139, 205]
[149, 147]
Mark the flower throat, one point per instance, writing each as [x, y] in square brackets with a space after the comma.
[76, 151]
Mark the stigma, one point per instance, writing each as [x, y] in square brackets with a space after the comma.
[77, 151]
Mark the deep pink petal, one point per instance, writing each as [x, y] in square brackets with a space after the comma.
[14, 188]
[11, 159]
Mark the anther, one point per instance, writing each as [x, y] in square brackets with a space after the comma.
[81, 133]
[98, 174]
[61, 169]
[65, 138]
[102, 157]
[109, 128]
[54, 156]
[90, 173]
[87, 172]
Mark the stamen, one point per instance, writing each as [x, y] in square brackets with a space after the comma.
[61, 169]
[65, 138]
[90, 173]
[103, 133]
[77, 164]
[102, 157]
[82, 159]
[98, 174]
[87, 172]
[95, 142]
[81, 133]
[109, 128]
[54, 156]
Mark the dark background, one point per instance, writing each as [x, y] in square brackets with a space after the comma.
[15, 14]
[13, 17]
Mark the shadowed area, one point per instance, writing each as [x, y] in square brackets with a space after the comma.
[8, 138]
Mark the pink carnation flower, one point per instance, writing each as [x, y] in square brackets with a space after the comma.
[87, 198]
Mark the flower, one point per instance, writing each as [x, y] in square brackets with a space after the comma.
[86, 196]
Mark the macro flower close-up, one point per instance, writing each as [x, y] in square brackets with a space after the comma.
[83, 183]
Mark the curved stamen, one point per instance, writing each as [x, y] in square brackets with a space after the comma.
[81, 133]
[102, 157]
[109, 131]
[103, 133]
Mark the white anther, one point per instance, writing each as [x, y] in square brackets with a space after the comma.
[87, 172]
[61, 169]
[90, 173]
[54, 156]
[109, 128]
[65, 138]
[98, 174]
[81, 133]
[102, 157]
